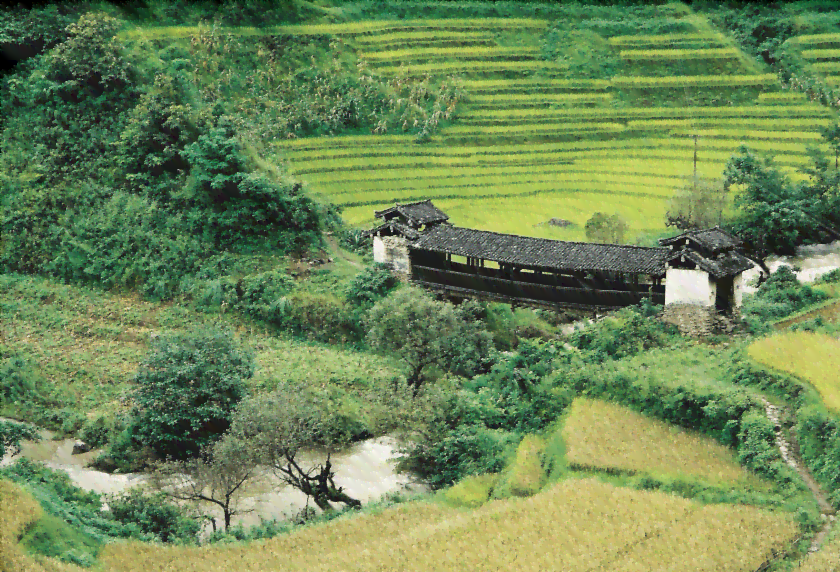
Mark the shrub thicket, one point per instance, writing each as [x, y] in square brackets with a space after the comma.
[187, 389]
[426, 334]
[114, 171]
[154, 515]
[622, 334]
[476, 428]
[11, 434]
[780, 295]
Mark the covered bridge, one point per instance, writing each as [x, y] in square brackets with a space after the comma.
[417, 241]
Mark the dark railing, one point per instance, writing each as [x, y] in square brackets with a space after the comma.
[502, 288]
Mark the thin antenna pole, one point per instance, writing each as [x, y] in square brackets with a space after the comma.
[695, 162]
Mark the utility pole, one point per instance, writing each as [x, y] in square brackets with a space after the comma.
[695, 164]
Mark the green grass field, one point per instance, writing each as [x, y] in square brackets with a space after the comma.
[87, 344]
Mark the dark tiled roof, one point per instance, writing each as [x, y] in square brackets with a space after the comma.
[392, 227]
[725, 264]
[713, 239]
[419, 213]
[543, 253]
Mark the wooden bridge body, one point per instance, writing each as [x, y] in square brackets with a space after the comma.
[418, 242]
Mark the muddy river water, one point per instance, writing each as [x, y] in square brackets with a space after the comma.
[366, 470]
[812, 261]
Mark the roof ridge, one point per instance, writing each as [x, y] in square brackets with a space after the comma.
[657, 248]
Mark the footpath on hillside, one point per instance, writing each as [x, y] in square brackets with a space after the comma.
[789, 450]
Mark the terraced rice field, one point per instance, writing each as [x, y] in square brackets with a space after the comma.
[814, 358]
[601, 435]
[624, 530]
[532, 142]
[822, 53]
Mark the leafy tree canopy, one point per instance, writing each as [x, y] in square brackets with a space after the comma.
[602, 227]
[187, 389]
[774, 215]
[424, 333]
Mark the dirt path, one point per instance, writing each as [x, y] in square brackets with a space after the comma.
[790, 454]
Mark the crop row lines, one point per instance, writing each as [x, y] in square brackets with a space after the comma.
[527, 98]
[468, 67]
[402, 173]
[826, 66]
[363, 163]
[497, 85]
[516, 186]
[681, 54]
[314, 167]
[432, 43]
[371, 27]
[409, 148]
[773, 111]
[426, 35]
[433, 172]
[583, 127]
[460, 131]
[550, 188]
[821, 54]
[643, 82]
[551, 163]
[373, 160]
[366, 145]
[334, 148]
[626, 171]
[664, 39]
[416, 54]
[816, 39]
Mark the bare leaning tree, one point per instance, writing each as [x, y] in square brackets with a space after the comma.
[217, 477]
[283, 429]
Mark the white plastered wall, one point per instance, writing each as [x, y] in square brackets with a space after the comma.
[738, 286]
[378, 250]
[683, 286]
[392, 250]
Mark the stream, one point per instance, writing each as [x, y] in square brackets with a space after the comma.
[812, 261]
[366, 470]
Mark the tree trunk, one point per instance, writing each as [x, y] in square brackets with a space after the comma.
[415, 378]
[337, 495]
[227, 518]
[322, 502]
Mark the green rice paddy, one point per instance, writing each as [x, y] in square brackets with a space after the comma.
[533, 142]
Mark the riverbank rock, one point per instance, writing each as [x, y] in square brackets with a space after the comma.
[80, 447]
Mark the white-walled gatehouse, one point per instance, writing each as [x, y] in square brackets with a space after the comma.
[705, 269]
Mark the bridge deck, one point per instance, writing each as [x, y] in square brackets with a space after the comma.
[545, 295]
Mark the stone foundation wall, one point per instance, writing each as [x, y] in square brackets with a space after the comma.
[698, 321]
[691, 319]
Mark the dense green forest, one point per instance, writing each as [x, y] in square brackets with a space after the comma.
[185, 287]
